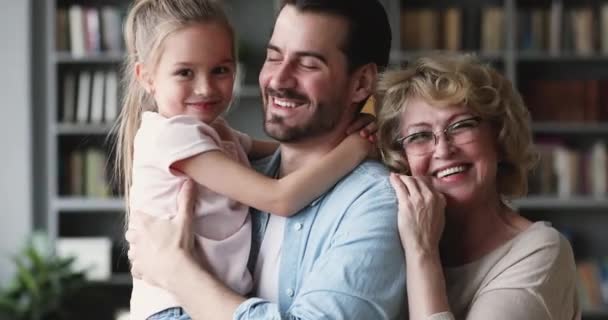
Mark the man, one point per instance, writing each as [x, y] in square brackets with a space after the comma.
[339, 258]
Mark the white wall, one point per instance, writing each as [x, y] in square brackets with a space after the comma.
[15, 130]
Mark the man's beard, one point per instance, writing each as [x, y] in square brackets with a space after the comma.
[324, 119]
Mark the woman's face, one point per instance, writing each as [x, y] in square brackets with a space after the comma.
[463, 164]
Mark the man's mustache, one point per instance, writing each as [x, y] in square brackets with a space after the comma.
[286, 94]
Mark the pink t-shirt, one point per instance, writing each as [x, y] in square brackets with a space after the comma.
[222, 226]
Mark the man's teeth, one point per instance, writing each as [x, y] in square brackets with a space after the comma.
[449, 171]
[284, 104]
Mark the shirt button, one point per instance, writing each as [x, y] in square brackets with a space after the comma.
[290, 292]
[298, 226]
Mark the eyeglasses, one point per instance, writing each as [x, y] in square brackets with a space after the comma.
[457, 133]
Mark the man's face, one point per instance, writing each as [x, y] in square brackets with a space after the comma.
[304, 80]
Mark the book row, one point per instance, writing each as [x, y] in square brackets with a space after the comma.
[84, 30]
[89, 96]
[553, 29]
[572, 100]
[564, 172]
[84, 172]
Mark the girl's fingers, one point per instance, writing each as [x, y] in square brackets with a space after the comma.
[360, 122]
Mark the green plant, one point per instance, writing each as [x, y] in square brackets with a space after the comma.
[42, 284]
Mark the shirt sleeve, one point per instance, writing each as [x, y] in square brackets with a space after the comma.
[509, 304]
[182, 137]
[441, 316]
[244, 140]
[360, 276]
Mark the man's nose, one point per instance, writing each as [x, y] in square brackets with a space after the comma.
[282, 77]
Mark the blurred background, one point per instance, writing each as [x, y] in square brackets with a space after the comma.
[60, 85]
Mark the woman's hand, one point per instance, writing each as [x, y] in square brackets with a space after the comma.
[157, 246]
[421, 216]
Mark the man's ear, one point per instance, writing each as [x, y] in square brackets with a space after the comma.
[144, 77]
[365, 82]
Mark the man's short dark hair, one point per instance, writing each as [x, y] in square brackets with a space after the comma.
[369, 34]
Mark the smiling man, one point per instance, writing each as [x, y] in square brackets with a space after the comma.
[340, 257]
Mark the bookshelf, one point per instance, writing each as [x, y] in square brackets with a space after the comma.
[70, 214]
[556, 53]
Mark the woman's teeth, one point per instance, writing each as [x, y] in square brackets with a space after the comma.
[450, 171]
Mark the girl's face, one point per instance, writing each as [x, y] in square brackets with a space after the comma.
[195, 73]
[463, 163]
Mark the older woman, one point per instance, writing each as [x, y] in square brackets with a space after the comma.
[460, 135]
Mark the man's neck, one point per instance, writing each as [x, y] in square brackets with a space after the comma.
[296, 155]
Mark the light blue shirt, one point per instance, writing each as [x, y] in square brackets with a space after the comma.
[341, 257]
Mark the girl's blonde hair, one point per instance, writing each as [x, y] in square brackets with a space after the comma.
[447, 80]
[147, 25]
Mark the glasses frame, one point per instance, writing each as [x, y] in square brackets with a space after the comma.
[445, 132]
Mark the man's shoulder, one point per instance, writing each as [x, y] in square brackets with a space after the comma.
[368, 174]
[364, 191]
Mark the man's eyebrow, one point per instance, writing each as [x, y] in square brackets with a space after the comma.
[313, 54]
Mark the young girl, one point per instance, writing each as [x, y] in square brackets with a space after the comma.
[180, 76]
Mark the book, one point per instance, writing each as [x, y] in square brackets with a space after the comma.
[111, 96]
[84, 96]
[92, 30]
[111, 32]
[97, 92]
[62, 28]
[492, 29]
[452, 29]
[582, 27]
[75, 173]
[555, 27]
[96, 184]
[68, 106]
[77, 32]
[603, 31]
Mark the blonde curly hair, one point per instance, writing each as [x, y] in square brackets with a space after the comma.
[448, 80]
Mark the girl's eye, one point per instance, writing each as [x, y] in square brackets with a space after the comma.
[184, 73]
[221, 70]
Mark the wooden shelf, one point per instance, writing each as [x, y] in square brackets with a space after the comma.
[556, 203]
[82, 204]
[595, 313]
[570, 128]
[402, 56]
[102, 57]
[83, 129]
[563, 57]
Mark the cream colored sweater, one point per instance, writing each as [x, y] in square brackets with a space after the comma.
[533, 276]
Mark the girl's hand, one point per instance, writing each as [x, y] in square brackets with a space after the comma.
[365, 123]
[364, 146]
[221, 127]
[157, 246]
[421, 216]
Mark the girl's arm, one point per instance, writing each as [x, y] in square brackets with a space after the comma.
[284, 196]
[262, 148]
[259, 148]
